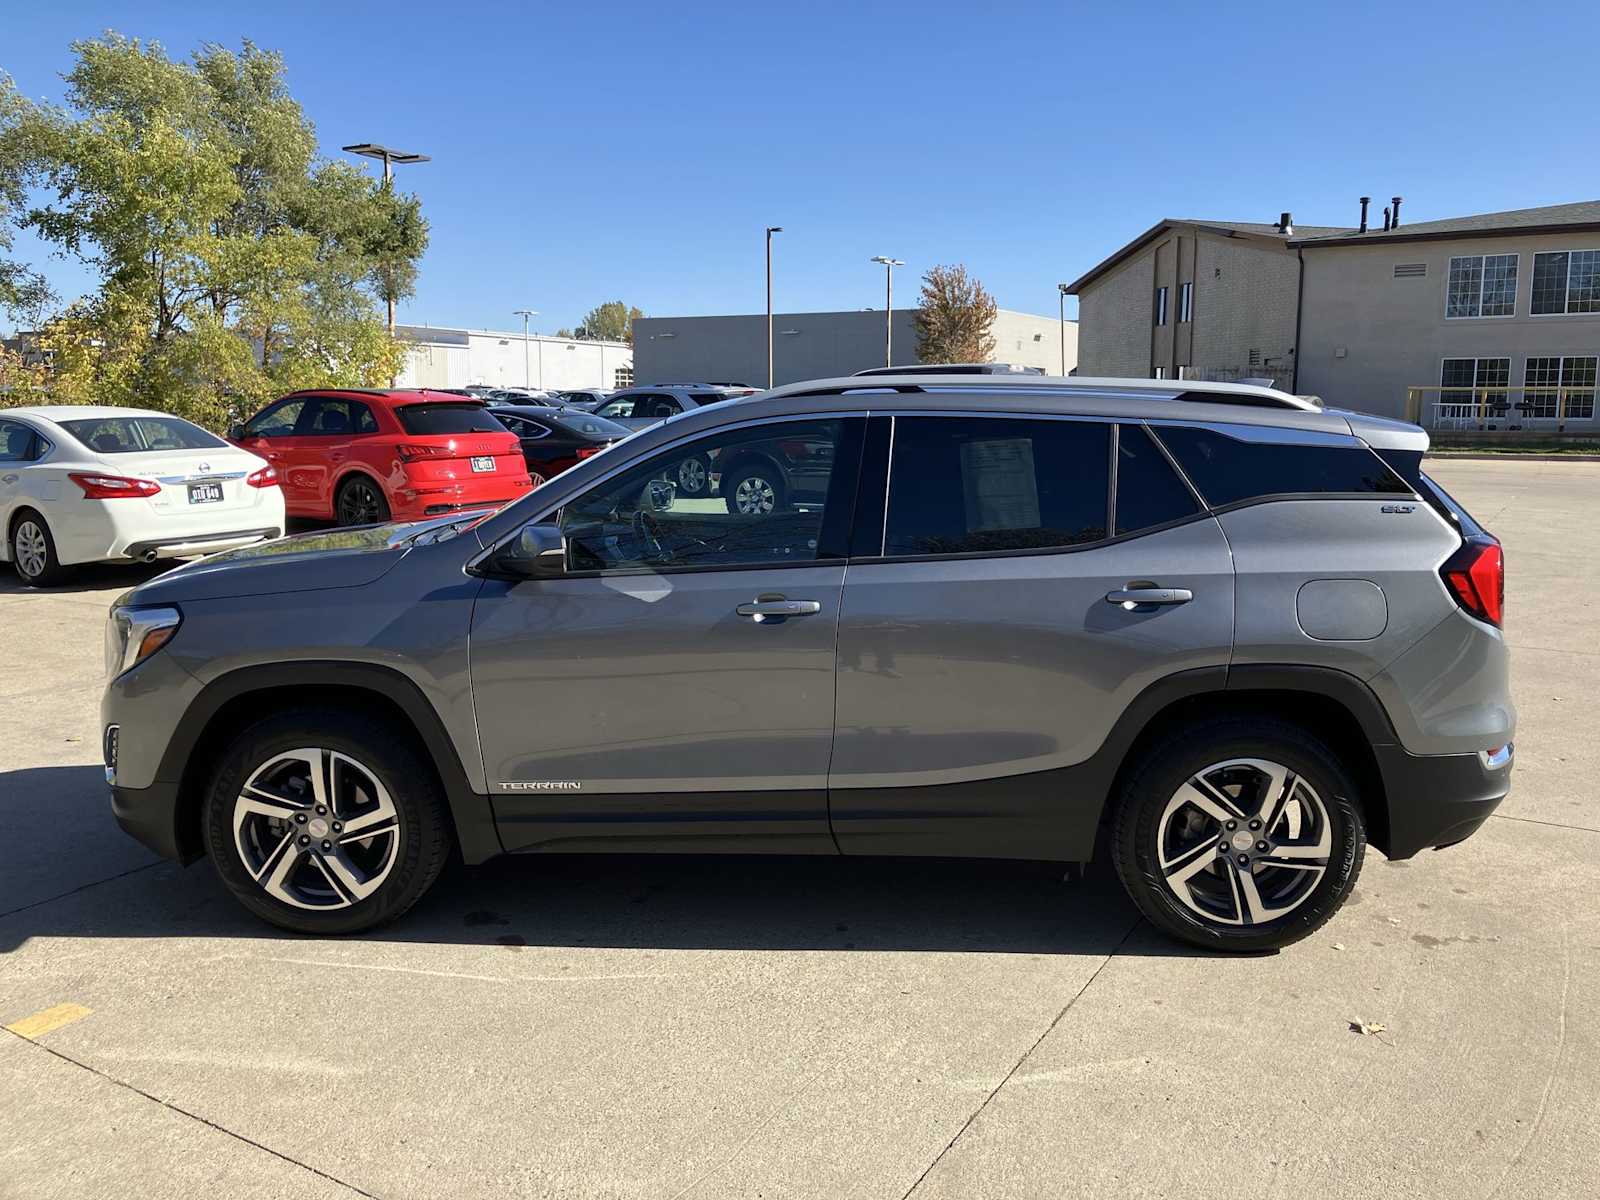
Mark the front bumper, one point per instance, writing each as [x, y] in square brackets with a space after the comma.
[151, 816]
[1437, 800]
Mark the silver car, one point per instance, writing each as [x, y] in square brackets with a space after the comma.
[1216, 633]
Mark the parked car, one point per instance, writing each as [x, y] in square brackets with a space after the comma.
[955, 369]
[587, 399]
[1230, 636]
[81, 484]
[554, 439]
[641, 407]
[363, 456]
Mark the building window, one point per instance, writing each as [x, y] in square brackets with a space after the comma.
[622, 377]
[1566, 281]
[1161, 306]
[1158, 372]
[1185, 302]
[1462, 382]
[1575, 375]
[1481, 285]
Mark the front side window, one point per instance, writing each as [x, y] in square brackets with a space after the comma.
[962, 485]
[620, 409]
[277, 421]
[1481, 285]
[129, 435]
[769, 490]
[1230, 470]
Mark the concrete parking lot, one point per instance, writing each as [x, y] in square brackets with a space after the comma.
[662, 1027]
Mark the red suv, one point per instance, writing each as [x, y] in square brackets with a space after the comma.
[362, 456]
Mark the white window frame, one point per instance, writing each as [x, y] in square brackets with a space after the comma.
[1561, 371]
[1161, 305]
[1483, 267]
[1186, 302]
[1566, 297]
[1474, 359]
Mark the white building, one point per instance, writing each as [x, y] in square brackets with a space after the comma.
[454, 358]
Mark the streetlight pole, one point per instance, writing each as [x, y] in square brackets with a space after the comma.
[527, 376]
[889, 264]
[771, 229]
[389, 156]
[1062, 288]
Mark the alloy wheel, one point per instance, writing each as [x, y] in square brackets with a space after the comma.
[692, 476]
[29, 549]
[1244, 841]
[755, 496]
[359, 504]
[316, 829]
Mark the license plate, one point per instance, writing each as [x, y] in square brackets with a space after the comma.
[483, 462]
[205, 493]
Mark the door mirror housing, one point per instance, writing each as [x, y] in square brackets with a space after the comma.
[235, 433]
[537, 552]
[658, 495]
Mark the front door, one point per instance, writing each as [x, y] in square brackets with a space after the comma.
[271, 433]
[983, 655]
[675, 688]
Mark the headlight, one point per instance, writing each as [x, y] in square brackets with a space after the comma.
[134, 634]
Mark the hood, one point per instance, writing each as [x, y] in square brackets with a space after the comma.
[305, 562]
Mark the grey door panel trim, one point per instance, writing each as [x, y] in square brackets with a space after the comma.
[740, 822]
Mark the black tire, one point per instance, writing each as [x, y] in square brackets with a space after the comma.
[692, 477]
[752, 476]
[360, 501]
[422, 816]
[1155, 782]
[28, 526]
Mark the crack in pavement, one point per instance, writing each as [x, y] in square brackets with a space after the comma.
[1026, 1054]
[167, 1104]
[82, 887]
[1547, 824]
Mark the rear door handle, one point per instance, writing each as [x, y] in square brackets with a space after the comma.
[766, 610]
[1134, 596]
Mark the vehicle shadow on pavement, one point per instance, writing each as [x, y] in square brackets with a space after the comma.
[84, 878]
[96, 577]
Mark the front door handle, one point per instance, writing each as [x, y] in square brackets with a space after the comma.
[1133, 597]
[768, 610]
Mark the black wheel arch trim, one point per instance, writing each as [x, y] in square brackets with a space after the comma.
[470, 809]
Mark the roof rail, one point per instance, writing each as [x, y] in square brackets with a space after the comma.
[1176, 391]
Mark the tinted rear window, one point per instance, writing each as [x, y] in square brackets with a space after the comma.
[586, 425]
[1149, 492]
[448, 418]
[1228, 470]
[128, 435]
[974, 484]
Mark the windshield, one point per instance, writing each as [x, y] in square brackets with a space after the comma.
[588, 425]
[423, 419]
[128, 435]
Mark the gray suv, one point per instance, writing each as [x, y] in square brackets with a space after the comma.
[1223, 635]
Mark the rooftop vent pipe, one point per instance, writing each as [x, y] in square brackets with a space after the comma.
[1286, 223]
[1396, 224]
[1386, 218]
[1365, 200]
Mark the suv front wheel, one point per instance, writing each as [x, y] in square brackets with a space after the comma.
[325, 822]
[1239, 834]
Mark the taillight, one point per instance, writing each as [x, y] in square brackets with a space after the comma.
[264, 478]
[113, 487]
[409, 451]
[589, 451]
[1476, 577]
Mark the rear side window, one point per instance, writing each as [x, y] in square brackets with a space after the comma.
[973, 484]
[1228, 470]
[1149, 492]
[423, 419]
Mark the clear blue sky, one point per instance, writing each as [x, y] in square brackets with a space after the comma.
[635, 151]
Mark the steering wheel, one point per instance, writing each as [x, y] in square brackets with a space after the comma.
[648, 530]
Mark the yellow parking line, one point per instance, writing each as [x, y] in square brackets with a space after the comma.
[49, 1020]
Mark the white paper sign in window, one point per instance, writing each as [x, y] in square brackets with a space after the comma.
[999, 484]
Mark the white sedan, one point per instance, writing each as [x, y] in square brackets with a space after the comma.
[82, 484]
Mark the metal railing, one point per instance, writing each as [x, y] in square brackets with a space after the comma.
[1527, 408]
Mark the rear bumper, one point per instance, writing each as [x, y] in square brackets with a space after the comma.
[211, 543]
[1437, 800]
[424, 499]
[150, 815]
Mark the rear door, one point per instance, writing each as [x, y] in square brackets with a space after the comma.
[984, 651]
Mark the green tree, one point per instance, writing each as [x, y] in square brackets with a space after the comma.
[24, 294]
[954, 318]
[233, 262]
[610, 322]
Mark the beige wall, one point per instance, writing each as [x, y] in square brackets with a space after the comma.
[1244, 299]
[1366, 335]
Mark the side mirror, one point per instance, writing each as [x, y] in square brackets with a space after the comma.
[538, 552]
[235, 433]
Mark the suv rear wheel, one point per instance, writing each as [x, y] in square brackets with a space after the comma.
[324, 822]
[361, 502]
[752, 489]
[1240, 834]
